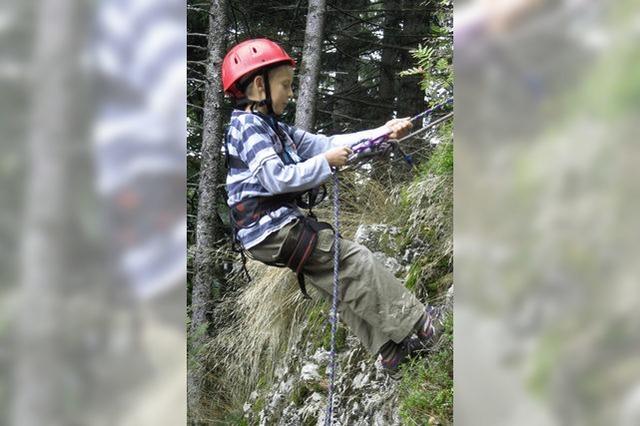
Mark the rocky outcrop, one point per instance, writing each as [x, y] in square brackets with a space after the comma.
[364, 395]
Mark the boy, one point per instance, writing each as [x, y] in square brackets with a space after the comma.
[270, 166]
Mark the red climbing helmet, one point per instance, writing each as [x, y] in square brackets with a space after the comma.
[247, 57]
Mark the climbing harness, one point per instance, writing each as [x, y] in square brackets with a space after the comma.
[380, 144]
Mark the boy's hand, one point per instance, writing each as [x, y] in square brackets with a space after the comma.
[338, 156]
[399, 127]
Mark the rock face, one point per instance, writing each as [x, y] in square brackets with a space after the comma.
[382, 240]
[390, 263]
[364, 395]
[377, 237]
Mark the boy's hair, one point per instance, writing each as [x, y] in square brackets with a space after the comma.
[243, 84]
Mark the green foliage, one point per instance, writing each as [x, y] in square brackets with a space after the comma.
[434, 65]
[441, 285]
[302, 390]
[426, 388]
[318, 330]
[441, 161]
[235, 418]
[415, 271]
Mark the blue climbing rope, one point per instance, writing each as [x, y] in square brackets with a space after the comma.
[430, 110]
[334, 307]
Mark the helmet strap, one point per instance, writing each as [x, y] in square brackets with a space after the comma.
[267, 90]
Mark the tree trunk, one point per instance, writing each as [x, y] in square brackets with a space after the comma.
[310, 69]
[209, 229]
[389, 58]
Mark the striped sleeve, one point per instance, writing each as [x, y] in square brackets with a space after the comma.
[309, 144]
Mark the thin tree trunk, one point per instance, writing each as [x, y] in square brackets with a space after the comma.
[310, 70]
[388, 66]
[209, 229]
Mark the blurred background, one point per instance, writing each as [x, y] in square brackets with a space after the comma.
[92, 224]
[547, 327]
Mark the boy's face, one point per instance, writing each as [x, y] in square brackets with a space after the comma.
[281, 79]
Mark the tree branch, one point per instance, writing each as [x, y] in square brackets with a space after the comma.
[194, 46]
[201, 63]
[195, 106]
[198, 9]
[199, 74]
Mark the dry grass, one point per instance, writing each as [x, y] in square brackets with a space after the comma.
[362, 201]
[265, 323]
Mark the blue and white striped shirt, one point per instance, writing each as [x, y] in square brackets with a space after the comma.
[261, 172]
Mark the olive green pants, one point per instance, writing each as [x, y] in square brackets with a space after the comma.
[373, 303]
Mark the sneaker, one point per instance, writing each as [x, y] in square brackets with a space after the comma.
[399, 353]
[414, 346]
[433, 326]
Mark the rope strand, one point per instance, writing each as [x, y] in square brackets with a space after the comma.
[430, 110]
[425, 128]
[334, 308]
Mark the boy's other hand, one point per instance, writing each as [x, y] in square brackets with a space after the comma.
[338, 156]
[399, 127]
